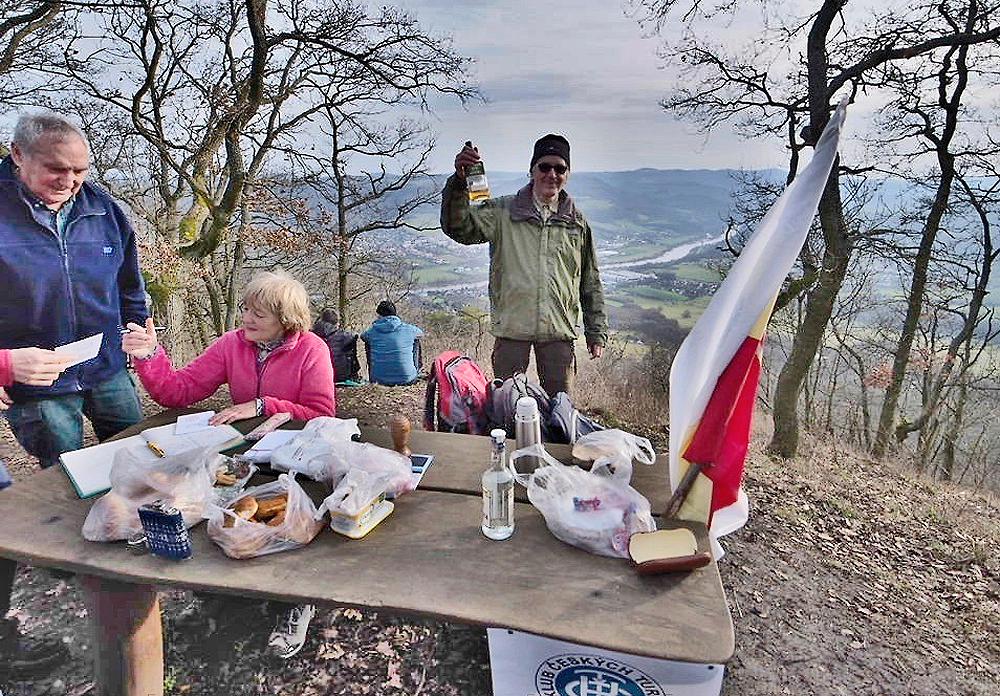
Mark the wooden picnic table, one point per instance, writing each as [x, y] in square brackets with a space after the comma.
[428, 557]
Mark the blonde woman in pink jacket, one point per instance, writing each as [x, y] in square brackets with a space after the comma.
[272, 364]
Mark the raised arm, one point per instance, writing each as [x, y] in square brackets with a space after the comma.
[459, 220]
[169, 387]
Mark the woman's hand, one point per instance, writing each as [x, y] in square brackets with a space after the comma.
[248, 409]
[5, 400]
[140, 342]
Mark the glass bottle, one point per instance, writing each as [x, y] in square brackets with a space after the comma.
[475, 181]
[498, 491]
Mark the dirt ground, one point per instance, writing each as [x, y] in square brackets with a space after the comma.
[850, 578]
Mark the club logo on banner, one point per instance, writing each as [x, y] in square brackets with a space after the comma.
[592, 675]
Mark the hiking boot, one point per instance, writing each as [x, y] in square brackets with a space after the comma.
[289, 634]
[20, 655]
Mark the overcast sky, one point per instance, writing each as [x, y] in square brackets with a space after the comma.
[582, 68]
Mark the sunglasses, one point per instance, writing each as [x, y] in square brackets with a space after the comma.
[545, 168]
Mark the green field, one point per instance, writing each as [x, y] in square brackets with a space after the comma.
[696, 271]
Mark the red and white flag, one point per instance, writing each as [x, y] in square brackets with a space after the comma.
[714, 377]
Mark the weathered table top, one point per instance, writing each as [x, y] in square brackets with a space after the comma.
[428, 557]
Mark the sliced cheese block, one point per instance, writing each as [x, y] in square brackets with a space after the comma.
[665, 543]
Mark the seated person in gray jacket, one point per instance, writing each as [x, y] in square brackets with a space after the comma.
[343, 345]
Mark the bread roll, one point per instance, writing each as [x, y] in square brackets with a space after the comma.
[245, 507]
[267, 509]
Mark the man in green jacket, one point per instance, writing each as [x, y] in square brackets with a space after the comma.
[543, 267]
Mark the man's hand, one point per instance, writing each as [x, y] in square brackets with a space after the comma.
[140, 342]
[37, 366]
[248, 409]
[468, 155]
[5, 400]
[596, 350]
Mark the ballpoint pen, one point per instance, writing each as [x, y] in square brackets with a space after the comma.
[122, 330]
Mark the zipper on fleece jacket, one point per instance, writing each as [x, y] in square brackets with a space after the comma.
[261, 366]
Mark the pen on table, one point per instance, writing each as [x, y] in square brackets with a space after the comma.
[156, 449]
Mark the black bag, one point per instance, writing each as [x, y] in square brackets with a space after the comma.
[502, 403]
[566, 424]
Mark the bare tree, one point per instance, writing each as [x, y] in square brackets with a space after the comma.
[27, 33]
[218, 94]
[939, 125]
[747, 90]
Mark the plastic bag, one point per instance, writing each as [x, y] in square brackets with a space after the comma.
[248, 539]
[235, 469]
[614, 450]
[344, 457]
[183, 481]
[303, 452]
[355, 492]
[594, 510]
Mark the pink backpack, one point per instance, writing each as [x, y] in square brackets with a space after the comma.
[459, 388]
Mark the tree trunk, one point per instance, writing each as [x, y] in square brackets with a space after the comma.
[836, 254]
[819, 307]
[915, 300]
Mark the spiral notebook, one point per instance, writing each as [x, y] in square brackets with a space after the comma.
[89, 469]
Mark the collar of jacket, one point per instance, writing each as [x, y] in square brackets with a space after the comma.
[86, 202]
[291, 340]
[523, 207]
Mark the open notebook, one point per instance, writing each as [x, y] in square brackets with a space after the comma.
[89, 469]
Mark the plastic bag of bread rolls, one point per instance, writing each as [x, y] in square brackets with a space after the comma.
[184, 481]
[274, 517]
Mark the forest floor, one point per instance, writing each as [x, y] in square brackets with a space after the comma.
[850, 577]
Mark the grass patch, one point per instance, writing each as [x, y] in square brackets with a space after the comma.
[696, 271]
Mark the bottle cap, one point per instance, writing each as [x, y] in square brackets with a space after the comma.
[526, 407]
[498, 435]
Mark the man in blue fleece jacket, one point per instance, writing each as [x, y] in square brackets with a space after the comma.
[70, 270]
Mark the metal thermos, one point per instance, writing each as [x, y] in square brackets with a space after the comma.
[527, 428]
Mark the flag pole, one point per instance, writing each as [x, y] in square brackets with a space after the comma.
[681, 492]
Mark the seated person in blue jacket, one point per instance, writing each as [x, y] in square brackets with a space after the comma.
[392, 347]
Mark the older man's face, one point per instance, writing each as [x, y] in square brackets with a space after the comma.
[549, 175]
[55, 170]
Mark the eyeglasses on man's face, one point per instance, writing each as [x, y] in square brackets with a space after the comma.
[546, 167]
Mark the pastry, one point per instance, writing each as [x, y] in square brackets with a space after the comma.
[245, 507]
[277, 520]
[271, 507]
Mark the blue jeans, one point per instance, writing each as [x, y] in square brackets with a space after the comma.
[48, 427]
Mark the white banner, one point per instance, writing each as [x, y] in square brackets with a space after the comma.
[748, 290]
[527, 665]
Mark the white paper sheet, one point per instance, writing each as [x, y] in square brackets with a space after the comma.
[192, 422]
[260, 453]
[82, 350]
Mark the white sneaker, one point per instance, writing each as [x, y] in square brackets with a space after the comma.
[289, 634]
